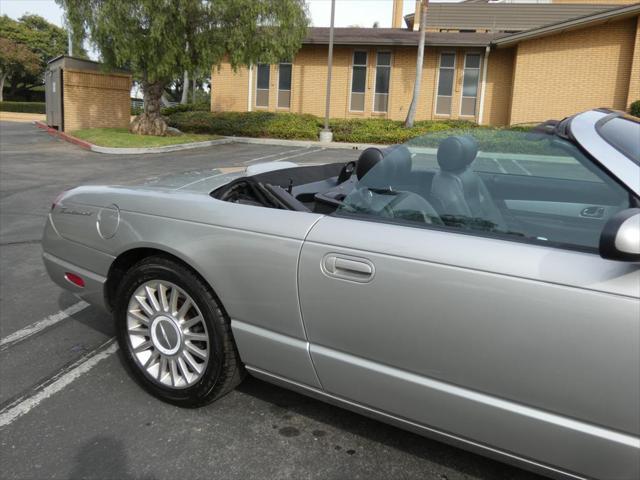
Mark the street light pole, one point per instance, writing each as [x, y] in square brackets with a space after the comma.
[326, 135]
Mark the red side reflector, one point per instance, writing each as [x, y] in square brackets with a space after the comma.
[75, 279]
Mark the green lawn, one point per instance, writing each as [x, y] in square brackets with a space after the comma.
[120, 137]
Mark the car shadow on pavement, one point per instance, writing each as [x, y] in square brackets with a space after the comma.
[92, 317]
[287, 403]
[102, 458]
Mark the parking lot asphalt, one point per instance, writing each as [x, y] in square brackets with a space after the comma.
[79, 415]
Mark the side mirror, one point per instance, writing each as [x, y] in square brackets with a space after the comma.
[620, 238]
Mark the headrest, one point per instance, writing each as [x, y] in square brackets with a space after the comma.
[392, 167]
[456, 153]
[367, 160]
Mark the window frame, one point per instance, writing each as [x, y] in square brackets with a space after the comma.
[462, 95]
[453, 83]
[375, 78]
[366, 71]
[281, 90]
[268, 90]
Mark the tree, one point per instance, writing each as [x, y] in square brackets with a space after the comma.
[15, 58]
[43, 39]
[149, 37]
[411, 113]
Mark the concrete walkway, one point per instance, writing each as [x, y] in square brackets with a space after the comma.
[22, 117]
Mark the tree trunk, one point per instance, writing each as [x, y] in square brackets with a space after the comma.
[411, 114]
[3, 75]
[193, 90]
[185, 88]
[150, 122]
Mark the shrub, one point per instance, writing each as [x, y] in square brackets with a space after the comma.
[186, 107]
[388, 131]
[634, 109]
[23, 107]
[307, 127]
[248, 124]
[304, 127]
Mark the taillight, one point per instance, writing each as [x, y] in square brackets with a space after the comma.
[75, 279]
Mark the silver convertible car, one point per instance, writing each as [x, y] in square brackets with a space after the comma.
[480, 287]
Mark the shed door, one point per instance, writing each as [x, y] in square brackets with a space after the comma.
[53, 97]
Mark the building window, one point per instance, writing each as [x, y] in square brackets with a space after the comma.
[284, 85]
[383, 75]
[470, 84]
[445, 83]
[358, 81]
[262, 85]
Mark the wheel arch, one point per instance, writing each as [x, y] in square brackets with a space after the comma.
[128, 258]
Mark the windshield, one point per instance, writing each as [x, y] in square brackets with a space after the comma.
[516, 183]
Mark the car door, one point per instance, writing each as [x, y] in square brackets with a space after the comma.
[514, 343]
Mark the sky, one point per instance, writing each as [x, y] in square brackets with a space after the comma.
[361, 13]
[348, 12]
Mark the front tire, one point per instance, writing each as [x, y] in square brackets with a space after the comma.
[175, 337]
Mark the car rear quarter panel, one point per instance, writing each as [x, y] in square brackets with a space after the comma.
[247, 254]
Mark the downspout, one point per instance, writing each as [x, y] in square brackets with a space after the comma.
[485, 64]
[250, 95]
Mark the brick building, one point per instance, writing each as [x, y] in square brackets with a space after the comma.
[81, 94]
[492, 63]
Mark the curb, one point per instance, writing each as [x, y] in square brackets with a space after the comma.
[189, 146]
[166, 148]
[305, 143]
[127, 151]
[63, 136]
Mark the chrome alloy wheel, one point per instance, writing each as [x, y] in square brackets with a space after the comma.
[167, 334]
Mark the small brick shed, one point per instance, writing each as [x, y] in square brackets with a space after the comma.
[80, 94]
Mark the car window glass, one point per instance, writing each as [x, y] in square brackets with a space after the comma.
[623, 134]
[515, 184]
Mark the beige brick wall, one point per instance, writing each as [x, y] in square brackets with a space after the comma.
[95, 100]
[550, 77]
[309, 77]
[497, 102]
[634, 80]
[561, 74]
[229, 89]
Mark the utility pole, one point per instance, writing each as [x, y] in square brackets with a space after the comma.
[411, 114]
[326, 135]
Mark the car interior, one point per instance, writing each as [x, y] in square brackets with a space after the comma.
[400, 183]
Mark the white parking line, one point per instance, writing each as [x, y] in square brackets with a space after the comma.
[34, 328]
[274, 155]
[300, 154]
[517, 164]
[500, 167]
[56, 383]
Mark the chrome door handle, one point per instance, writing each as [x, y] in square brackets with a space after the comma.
[353, 266]
[348, 268]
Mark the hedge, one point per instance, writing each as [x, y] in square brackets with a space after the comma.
[634, 109]
[23, 107]
[305, 127]
[248, 124]
[187, 107]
